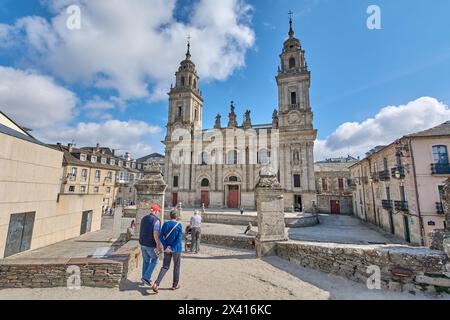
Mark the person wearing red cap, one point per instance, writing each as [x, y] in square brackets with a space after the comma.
[150, 245]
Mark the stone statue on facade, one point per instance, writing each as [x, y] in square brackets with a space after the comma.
[275, 119]
[232, 123]
[247, 121]
[218, 124]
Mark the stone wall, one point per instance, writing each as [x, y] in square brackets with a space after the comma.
[242, 242]
[402, 268]
[244, 220]
[107, 272]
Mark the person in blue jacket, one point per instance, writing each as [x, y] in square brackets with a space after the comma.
[171, 238]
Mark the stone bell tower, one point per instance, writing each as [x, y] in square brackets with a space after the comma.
[295, 124]
[185, 99]
[185, 119]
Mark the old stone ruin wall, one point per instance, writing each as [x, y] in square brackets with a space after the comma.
[402, 268]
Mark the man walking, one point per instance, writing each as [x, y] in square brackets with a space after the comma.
[150, 244]
[196, 224]
[172, 239]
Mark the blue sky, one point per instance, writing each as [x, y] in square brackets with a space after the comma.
[356, 72]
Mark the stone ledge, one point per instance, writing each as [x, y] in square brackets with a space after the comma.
[242, 242]
[107, 272]
[402, 268]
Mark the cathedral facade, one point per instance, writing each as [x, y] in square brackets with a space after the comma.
[220, 167]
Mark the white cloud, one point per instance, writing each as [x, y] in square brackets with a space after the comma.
[33, 100]
[136, 137]
[391, 123]
[126, 45]
[37, 102]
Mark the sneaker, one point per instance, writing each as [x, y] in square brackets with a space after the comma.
[146, 282]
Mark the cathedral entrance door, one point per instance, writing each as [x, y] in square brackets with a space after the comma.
[174, 199]
[205, 198]
[233, 197]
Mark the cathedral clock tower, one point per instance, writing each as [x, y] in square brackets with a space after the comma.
[295, 124]
[185, 114]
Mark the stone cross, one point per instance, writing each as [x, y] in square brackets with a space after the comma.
[151, 189]
[270, 207]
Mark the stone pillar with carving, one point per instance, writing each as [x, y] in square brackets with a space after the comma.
[270, 207]
[440, 239]
[151, 189]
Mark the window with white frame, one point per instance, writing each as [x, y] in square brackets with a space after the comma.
[83, 189]
[97, 175]
[82, 157]
[112, 162]
[73, 174]
[103, 160]
[94, 159]
[84, 175]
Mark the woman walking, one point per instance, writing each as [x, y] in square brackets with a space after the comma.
[171, 238]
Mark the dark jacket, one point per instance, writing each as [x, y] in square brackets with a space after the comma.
[146, 237]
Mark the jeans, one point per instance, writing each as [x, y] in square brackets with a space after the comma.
[196, 237]
[166, 265]
[150, 261]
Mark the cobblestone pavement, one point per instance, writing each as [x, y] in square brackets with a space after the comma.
[343, 229]
[221, 273]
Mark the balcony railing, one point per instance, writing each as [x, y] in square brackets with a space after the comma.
[439, 208]
[387, 204]
[440, 168]
[401, 205]
[398, 172]
[384, 175]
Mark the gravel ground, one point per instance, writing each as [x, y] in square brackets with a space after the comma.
[222, 273]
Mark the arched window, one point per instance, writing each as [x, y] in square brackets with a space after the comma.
[232, 157]
[183, 81]
[205, 183]
[195, 84]
[296, 156]
[263, 157]
[233, 179]
[292, 63]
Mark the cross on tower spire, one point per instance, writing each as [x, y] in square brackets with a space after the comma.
[291, 30]
[188, 53]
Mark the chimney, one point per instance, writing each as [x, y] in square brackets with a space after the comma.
[113, 152]
[97, 148]
[70, 147]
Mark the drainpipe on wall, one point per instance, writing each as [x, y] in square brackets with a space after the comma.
[373, 194]
[364, 192]
[422, 240]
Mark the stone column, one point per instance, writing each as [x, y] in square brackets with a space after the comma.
[151, 189]
[440, 239]
[270, 207]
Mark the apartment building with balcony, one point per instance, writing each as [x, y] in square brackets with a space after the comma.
[398, 187]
